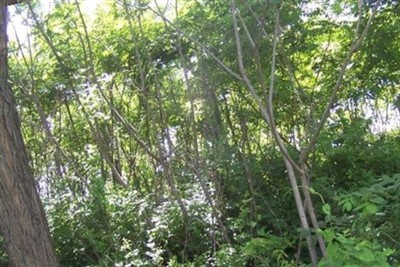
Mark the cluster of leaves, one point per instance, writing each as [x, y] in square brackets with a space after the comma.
[363, 234]
[360, 225]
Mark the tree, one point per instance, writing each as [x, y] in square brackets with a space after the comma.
[22, 219]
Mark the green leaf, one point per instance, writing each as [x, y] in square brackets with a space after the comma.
[365, 255]
[312, 190]
[347, 206]
[370, 208]
[333, 250]
[262, 232]
[326, 209]
[378, 200]
[329, 234]
[388, 252]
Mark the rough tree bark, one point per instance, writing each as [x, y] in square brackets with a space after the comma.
[23, 223]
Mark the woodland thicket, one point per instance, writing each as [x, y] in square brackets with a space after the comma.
[213, 133]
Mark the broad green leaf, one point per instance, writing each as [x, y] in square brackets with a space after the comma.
[370, 209]
[329, 234]
[326, 209]
[378, 200]
[365, 255]
[347, 206]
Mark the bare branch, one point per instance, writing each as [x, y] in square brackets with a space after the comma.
[273, 67]
[264, 111]
[253, 45]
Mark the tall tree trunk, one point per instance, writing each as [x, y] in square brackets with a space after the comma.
[22, 220]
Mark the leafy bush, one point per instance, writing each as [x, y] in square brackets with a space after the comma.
[344, 250]
[372, 212]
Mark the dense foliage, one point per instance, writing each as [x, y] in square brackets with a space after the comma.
[149, 149]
